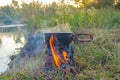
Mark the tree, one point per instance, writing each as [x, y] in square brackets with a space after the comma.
[7, 11]
[15, 4]
[104, 3]
[117, 4]
[95, 3]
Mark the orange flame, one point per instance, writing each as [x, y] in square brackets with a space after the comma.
[55, 55]
[65, 56]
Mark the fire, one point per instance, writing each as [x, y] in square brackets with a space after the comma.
[55, 55]
[64, 53]
[58, 60]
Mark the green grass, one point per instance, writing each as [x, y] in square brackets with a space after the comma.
[52, 15]
[100, 58]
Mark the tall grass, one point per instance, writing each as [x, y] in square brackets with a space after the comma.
[37, 15]
[93, 18]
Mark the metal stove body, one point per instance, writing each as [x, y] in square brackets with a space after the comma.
[64, 43]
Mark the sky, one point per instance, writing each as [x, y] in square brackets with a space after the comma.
[8, 2]
[5, 2]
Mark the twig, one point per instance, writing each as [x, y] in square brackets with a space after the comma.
[46, 75]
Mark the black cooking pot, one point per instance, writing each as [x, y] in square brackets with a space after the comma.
[67, 38]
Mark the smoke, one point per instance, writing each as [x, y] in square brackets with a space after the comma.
[61, 28]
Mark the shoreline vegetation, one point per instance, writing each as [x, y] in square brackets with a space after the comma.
[97, 60]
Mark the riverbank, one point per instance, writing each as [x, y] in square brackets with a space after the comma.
[96, 60]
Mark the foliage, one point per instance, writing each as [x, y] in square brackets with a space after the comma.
[104, 3]
[37, 15]
[7, 12]
[95, 3]
[51, 15]
[117, 5]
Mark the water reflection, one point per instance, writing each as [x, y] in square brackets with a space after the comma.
[9, 41]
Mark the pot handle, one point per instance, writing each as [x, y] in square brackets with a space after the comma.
[76, 37]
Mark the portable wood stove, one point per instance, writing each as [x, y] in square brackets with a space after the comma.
[59, 51]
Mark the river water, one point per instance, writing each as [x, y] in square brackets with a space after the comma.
[9, 44]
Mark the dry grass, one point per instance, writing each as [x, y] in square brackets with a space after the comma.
[100, 58]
